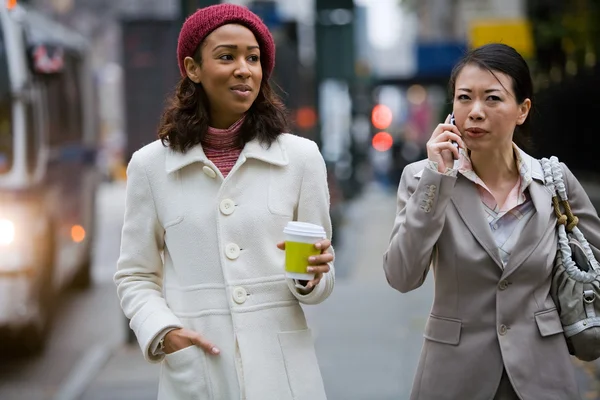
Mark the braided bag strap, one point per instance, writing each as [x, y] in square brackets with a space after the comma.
[567, 222]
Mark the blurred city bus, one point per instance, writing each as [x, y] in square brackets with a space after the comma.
[48, 178]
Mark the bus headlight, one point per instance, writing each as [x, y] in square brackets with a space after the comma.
[7, 232]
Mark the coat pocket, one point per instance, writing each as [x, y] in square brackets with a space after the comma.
[185, 375]
[173, 222]
[301, 365]
[443, 330]
[548, 322]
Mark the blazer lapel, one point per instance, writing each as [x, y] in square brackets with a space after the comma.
[535, 228]
[468, 203]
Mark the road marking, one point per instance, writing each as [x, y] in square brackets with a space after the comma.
[84, 372]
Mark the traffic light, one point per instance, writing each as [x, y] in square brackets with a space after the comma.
[381, 116]
[382, 141]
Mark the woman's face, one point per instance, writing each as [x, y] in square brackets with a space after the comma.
[230, 72]
[485, 108]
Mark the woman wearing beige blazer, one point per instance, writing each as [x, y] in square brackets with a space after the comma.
[481, 217]
[200, 273]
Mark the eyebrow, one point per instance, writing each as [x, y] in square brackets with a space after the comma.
[486, 91]
[234, 47]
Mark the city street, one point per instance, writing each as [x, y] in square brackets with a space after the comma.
[368, 336]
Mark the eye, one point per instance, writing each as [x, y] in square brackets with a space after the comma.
[226, 57]
[494, 98]
[254, 58]
[463, 97]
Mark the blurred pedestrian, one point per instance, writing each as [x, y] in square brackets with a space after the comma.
[481, 216]
[200, 274]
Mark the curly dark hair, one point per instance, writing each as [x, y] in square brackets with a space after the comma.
[186, 118]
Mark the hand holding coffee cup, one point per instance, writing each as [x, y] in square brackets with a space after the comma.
[306, 255]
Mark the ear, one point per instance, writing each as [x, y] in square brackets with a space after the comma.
[192, 69]
[524, 109]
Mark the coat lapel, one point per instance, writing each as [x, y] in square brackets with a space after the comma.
[175, 160]
[535, 229]
[468, 203]
[274, 154]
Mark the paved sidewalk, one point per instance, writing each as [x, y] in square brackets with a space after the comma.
[126, 376]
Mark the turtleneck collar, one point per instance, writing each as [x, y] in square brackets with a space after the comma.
[223, 139]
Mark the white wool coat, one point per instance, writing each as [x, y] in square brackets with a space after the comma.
[199, 251]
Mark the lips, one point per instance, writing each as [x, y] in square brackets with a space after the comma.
[241, 88]
[476, 131]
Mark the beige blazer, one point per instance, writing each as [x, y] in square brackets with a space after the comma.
[199, 251]
[485, 317]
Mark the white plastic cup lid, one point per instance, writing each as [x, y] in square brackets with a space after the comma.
[304, 229]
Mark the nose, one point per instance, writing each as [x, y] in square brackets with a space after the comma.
[242, 70]
[476, 113]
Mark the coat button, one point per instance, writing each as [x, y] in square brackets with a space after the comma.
[240, 295]
[209, 172]
[232, 251]
[502, 330]
[503, 285]
[227, 207]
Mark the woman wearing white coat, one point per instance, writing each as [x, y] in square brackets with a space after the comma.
[200, 273]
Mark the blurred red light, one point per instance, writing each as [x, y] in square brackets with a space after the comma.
[306, 117]
[383, 141]
[381, 117]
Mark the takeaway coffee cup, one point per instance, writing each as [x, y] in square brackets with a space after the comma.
[300, 239]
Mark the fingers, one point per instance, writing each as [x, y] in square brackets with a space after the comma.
[320, 259]
[314, 282]
[445, 146]
[179, 339]
[323, 245]
[319, 269]
[441, 128]
[447, 136]
[443, 142]
[204, 344]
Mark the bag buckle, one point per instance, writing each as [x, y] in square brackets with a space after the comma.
[589, 296]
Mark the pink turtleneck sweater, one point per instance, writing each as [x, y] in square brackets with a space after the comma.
[220, 146]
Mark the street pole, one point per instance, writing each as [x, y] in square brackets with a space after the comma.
[334, 37]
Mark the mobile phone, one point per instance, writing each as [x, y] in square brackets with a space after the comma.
[453, 122]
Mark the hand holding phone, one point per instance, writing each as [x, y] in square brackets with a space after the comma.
[444, 145]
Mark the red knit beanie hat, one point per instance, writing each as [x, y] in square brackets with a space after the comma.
[200, 24]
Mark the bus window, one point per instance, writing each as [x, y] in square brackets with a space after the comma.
[73, 99]
[57, 111]
[64, 105]
[32, 137]
[6, 135]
